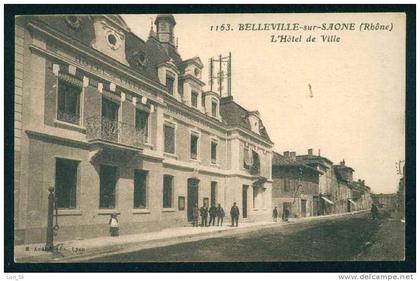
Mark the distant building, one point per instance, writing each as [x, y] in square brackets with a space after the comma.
[343, 196]
[385, 200]
[311, 185]
[327, 180]
[361, 195]
[295, 186]
[118, 124]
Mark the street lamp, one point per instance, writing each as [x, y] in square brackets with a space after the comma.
[50, 232]
[51, 229]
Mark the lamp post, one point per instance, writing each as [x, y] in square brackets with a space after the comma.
[50, 230]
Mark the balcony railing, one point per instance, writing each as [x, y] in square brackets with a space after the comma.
[68, 117]
[99, 128]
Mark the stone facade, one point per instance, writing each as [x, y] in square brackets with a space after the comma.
[117, 78]
[295, 186]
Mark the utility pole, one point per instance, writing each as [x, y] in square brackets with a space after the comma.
[211, 74]
[398, 166]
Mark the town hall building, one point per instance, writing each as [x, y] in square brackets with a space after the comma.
[118, 124]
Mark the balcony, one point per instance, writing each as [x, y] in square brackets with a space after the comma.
[103, 130]
[68, 117]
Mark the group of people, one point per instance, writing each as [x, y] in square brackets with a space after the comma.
[217, 212]
[213, 212]
[284, 217]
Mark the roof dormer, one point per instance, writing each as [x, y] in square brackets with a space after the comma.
[193, 67]
[212, 104]
[254, 121]
[192, 84]
[168, 75]
[110, 37]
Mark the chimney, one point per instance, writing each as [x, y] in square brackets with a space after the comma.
[293, 156]
[286, 154]
[310, 151]
[343, 163]
[319, 152]
[363, 182]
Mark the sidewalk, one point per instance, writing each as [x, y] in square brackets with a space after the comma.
[388, 244]
[78, 250]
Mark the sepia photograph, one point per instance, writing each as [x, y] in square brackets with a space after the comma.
[209, 137]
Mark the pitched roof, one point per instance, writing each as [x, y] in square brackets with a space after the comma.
[310, 159]
[234, 114]
[283, 161]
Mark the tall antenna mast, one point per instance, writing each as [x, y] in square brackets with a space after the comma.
[211, 74]
[223, 73]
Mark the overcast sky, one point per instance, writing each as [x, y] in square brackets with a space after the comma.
[358, 104]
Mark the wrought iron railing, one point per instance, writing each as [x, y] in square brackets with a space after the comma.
[99, 128]
[67, 117]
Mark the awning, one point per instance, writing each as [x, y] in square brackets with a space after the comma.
[328, 200]
[351, 201]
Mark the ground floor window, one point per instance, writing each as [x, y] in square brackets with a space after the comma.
[168, 191]
[107, 184]
[140, 189]
[66, 183]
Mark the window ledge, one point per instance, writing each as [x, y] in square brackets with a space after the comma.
[149, 145]
[108, 211]
[255, 209]
[195, 160]
[168, 210]
[67, 125]
[170, 155]
[69, 212]
[140, 211]
[215, 165]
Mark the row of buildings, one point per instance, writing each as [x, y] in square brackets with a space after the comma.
[311, 185]
[118, 124]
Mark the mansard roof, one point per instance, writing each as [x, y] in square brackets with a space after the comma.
[144, 57]
[83, 32]
[152, 50]
[235, 115]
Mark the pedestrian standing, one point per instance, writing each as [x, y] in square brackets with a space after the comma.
[195, 215]
[275, 214]
[220, 215]
[213, 214]
[113, 225]
[286, 215]
[204, 211]
[374, 212]
[234, 214]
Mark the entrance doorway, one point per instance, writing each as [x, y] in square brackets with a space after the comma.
[316, 206]
[303, 208]
[245, 201]
[192, 197]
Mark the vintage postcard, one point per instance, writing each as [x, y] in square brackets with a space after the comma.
[209, 137]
